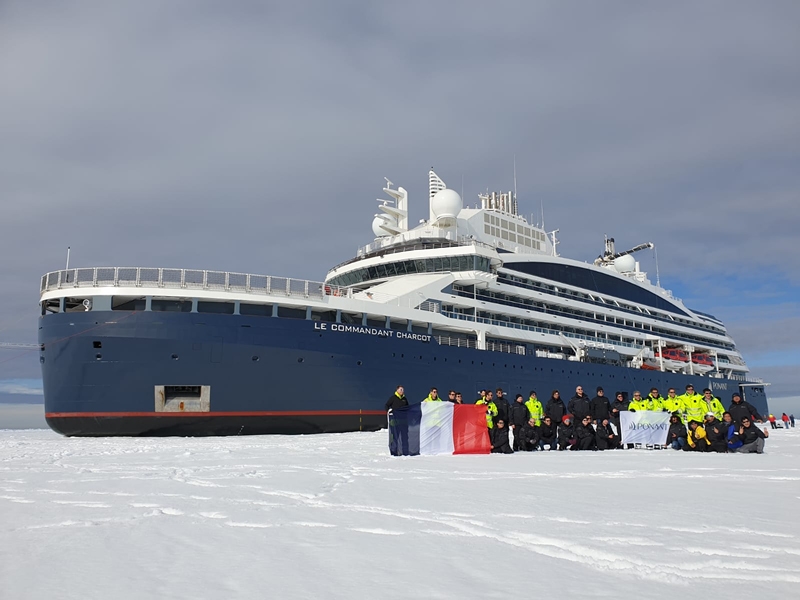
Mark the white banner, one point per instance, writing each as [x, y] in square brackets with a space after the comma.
[644, 427]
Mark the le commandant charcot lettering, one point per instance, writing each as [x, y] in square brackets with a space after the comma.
[403, 335]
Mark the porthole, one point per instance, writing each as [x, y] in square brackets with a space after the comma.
[255, 359]
[98, 357]
[300, 360]
[174, 357]
[97, 344]
[359, 363]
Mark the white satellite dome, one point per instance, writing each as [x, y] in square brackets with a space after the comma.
[382, 220]
[625, 264]
[446, 203]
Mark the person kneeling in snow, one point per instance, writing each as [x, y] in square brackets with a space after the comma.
[585, 434]
[529, 436]
[752, 437]
[697, 440]
[734, 443]
[499, 437]
[606, 438]
[676, 436]
[548, 434]
[566, 433]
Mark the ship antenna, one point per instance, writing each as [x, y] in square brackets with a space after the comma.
[655, 255]
[515, 177]
[67, 267]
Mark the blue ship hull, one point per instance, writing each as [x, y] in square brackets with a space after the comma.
[282, 375]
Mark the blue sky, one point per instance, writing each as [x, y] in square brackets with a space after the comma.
[254, 137]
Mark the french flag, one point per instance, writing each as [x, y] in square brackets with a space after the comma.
[438, 428]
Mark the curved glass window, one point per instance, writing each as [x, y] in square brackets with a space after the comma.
[598, 282]
[444, 264]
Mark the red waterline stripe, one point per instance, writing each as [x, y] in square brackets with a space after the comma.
[269, 413]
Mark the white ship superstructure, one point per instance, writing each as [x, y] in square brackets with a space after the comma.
[495, 281]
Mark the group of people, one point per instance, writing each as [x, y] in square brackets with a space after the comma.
[786, 419]
[698, 422]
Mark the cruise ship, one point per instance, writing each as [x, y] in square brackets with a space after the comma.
[470, 298]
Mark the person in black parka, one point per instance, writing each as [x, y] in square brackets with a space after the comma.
[740, 409]
[555, 407]
[580, 405]
[566, 434]
[606, 438]
[503, 407]
[548, 433]
[601, 408]
[499, 438]
[717, 434]
[519, 418]
[529, 436]
[585, 435]
[397, 400]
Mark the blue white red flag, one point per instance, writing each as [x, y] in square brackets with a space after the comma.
[438, 428]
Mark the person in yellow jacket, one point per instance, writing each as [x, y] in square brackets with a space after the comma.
[433, 396]
[694, 406]
[713, 404]
[638, 404]
[654, 400]
[491, 410]
[696, 439]
[672, 402]
[535, 408]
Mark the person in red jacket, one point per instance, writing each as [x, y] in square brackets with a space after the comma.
[785, 419]
[772, 420]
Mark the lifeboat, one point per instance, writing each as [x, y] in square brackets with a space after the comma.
[702, 363]
[674, 359]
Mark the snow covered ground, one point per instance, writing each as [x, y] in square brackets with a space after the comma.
[334, 516]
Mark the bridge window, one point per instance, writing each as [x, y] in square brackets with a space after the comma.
[255, 310]
[216, 308]
[286, 312]
[128, 303]
[163, 305]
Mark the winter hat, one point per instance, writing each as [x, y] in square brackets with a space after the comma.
[710, 414]
[565, 418]
[600, 389]
[736, 395]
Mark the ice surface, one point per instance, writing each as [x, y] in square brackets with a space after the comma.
[334, 516]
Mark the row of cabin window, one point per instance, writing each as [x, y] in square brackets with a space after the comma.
[257, 310]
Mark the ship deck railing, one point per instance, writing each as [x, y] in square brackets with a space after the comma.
[222, 281]
[188, 279]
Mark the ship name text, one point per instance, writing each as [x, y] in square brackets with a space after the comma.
[388, 333]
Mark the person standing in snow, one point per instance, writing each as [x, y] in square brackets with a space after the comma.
[740, 409]
[580, 404]
[618, 406]
[519, 418]
[397, 400]
[555, 407]
[601, 408]
[535, 408]
[785, 419]
[503, 407]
